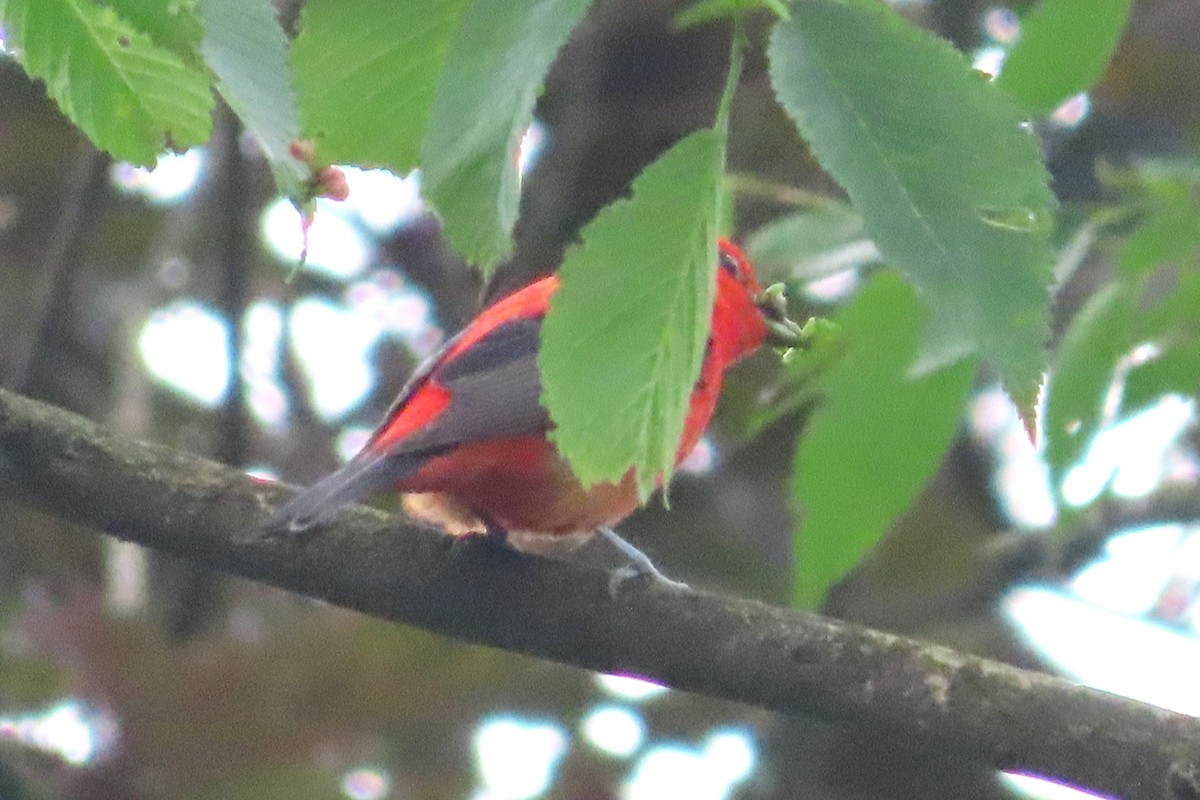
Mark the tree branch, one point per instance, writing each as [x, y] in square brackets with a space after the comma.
[735, 649]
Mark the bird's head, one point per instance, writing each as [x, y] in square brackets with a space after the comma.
[746, 315]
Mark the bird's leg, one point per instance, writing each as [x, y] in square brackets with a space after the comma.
[639, 565]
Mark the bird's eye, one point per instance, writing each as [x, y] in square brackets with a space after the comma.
[731, 266]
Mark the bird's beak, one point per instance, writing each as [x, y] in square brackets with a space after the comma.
[781, 331]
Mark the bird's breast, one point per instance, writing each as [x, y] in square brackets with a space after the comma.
[522, 484]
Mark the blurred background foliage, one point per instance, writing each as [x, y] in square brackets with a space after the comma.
[157, 303]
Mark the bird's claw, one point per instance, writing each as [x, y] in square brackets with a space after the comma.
[618, 577]
[639, 566]
[491, 538]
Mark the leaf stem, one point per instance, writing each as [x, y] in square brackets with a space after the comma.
[745, 183]
[736, 50]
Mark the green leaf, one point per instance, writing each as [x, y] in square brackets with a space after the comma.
[172, 24]
[1168, 304]
[247, 50]
[712, 10]
[1154, 299]
[1090, 387]
[482, 107]
[624, 339]
[811, 244]
[1082, 373]
[1170, 234]
[1063, 50]
[130, 96]
[799, 385]
[1171, 322]
[1175, 371]
[365, 74]
[951, 188]
[878, 437]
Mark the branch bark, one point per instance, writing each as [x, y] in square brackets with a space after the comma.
[741, 650]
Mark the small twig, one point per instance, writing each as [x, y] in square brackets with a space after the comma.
[735, 649]
[1058, 553]
[782, 193]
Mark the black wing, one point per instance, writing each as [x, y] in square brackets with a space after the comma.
[494, 390]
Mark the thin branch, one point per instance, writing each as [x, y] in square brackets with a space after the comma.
[236, 256]
[81, 214]
[740, 650]
[1057, 553]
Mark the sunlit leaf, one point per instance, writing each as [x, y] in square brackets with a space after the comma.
[247, 50]
[623, 342]
[482, 107]
[130, 96]
[875, 440]
[365, 74]
[951, 188]
[1063, 50]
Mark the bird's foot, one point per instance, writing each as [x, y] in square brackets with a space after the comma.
[639, 566]
[492, 537]
[618, 577]
[278, 528]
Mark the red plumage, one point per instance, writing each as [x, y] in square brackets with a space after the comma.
[468, 435]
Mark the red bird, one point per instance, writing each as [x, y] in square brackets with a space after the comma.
[467, 434]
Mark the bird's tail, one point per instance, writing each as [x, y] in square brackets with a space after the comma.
[364, 475]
